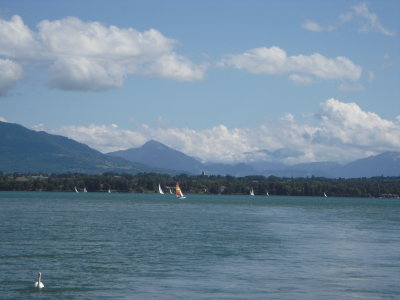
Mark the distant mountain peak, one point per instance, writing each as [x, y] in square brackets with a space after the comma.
[156, 145]
[154, 153]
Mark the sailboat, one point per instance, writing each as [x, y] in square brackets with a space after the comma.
[267, 194]
[251, 192]
[325, 195]
[109, 191]
[160, 190]
[76, 190]
[84, 190]
[178, 192]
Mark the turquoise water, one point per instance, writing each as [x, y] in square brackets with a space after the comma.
[141, 246]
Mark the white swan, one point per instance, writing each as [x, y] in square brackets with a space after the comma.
[39, 284]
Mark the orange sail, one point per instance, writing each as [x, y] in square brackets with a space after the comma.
[178, 191]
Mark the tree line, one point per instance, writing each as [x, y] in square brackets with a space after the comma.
[203, 184]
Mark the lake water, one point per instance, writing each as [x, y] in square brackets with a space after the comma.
[150, 246]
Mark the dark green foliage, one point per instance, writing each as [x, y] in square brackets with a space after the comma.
[148, 183]
[25, 151]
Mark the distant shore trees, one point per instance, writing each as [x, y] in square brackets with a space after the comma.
[148, 183]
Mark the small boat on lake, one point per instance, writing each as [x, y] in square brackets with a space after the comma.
[178, 192]
[160, 190]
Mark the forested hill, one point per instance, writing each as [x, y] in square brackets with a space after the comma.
[148, 183]
[24, 150]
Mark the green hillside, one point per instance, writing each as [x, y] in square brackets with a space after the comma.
[23, 150]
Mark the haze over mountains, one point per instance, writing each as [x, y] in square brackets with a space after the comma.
[156, 154]
[25, 150]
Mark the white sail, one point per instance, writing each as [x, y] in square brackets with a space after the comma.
[252, 192]
[325, 195]
[84, 190]
[109, 191]
[160, 190]
[267, 194]
[76, 190]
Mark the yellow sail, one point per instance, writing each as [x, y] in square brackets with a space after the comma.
[178, 191]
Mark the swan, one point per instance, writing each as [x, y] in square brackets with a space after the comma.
[39, 284]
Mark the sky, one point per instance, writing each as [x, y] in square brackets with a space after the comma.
[220, 80]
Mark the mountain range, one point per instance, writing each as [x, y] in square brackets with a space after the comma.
[24, 150]
[156, 154]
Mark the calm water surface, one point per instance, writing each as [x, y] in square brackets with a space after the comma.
[137, 246]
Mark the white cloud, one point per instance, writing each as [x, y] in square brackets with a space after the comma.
[92, 56]
[353, 86]
[39, 127]
[301, 80]
[73, 37]
[346, 124]
[17, 40]
[176, 67]
[360, 14]
[346, 17]
[10, 74]
[345, 132]
[275, 61]
[81, 73]
[370, 76]
[106, 138]
[388, 61]
[218, 143]
[371, 23]
[314, 26]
